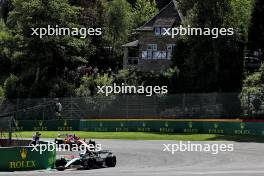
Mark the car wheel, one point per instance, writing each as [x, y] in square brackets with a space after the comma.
[61, 168]
[110, 161]
[88, 163]
[60, 163]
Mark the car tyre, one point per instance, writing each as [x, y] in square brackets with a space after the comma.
[110, 161]
[88, 164]
[60, 163]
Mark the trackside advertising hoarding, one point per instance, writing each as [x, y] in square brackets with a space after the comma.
[23, 158]
[236, 127]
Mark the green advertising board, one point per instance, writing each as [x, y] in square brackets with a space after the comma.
[166, 126]
[23, 158]
[173, 126]
[47, 125]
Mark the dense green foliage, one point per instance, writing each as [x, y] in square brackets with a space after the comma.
[206, 64]
[40, 64]
[5, 52]
[119, 23]
[144, 10]
[256, 34]
[253, 89]
[50, 67]
[31, 67]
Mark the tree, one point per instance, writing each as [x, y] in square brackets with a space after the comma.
[252, 92]
[40, 64]
[206, 64]
[119, 13]
[6, 42]
[10, 87]
[256, 34]
[144, 10]
[89, 84]
[5, 7]
[94, 14]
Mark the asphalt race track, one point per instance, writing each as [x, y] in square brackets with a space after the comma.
[147, 158]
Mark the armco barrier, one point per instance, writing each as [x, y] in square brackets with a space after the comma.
[237, 127]
[171, 126]
[22, 158]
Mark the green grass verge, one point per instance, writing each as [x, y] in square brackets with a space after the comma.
[145, 136]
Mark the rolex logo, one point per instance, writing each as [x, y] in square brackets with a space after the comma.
[40, 123]
[242, 125]
[166, 124]
[101, 124]
[65, 123]
[143, 124]
[190, 125]
[23, 153]
[215, 125]
[122, 124]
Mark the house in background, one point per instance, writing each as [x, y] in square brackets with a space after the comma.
[152, 50]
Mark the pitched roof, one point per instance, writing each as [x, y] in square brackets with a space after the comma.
[131, 44]
[167, 17]
[164, 22]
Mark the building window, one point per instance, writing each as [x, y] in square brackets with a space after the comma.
[159, 31]
[163, 31]
[152, 47]
[170, 47]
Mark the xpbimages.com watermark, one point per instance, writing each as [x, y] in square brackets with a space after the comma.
[51, 146]
[129, 89]
[213, 148]
[65, 31]
[194, 31]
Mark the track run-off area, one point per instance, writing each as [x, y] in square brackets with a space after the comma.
[147, 158]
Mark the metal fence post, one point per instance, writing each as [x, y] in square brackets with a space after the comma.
[126, 107]
[43, 109]
[17, 107]
[248, 107]
[71, 107]
[183, 103]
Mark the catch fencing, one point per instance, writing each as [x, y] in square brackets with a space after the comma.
[211, 105]
[191, 126]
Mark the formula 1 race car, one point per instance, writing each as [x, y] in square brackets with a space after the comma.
[69, 139]
[66, 139]
[89, 160]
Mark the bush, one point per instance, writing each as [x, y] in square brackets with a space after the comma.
[251, 96]
[89, 84]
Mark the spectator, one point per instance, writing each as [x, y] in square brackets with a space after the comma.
[58, 109]
[35, 139]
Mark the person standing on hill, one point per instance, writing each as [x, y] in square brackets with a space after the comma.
[58, 109]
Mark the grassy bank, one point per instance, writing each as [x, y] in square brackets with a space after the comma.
[143, 136]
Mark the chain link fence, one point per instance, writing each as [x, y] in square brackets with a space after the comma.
[211, 105]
